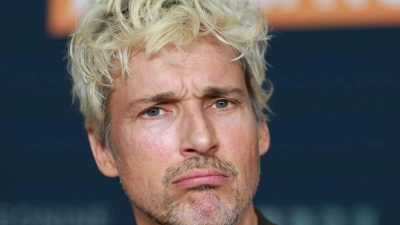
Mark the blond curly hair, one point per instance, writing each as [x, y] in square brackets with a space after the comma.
[111, 31]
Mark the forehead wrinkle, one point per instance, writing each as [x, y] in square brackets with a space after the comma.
[211, 90]
[160, 97]
[224, 91]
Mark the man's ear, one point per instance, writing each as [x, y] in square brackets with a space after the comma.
[104, 160]
[263, 137]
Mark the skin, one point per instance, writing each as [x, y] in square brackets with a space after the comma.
[186, 112]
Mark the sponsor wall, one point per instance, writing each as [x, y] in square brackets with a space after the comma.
[311, 14]
[281, 14]
[334, 155]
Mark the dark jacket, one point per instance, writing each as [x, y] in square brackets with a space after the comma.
[262, 220]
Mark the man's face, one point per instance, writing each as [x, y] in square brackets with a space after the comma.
[185, 139]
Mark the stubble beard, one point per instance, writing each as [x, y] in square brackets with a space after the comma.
[208, 209]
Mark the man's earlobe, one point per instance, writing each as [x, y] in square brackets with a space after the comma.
[104, 160]
[263, 138]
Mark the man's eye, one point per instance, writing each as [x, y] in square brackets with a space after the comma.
[221, 104]
[153, 112]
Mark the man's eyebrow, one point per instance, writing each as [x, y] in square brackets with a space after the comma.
[161, 97]
[217, 91]
[167, 96]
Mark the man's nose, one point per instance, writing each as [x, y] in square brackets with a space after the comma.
[198, 134]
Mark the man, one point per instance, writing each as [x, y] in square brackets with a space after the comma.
[172, 98]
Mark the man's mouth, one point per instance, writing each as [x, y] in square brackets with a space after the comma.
[200, 178]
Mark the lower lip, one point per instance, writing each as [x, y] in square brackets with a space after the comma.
[199, 181]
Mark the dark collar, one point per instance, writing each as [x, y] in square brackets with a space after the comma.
[261, 218]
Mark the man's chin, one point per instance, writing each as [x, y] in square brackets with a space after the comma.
[208, 205]
[205, 198]
[201, 206]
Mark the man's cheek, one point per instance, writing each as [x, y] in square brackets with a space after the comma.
[157, 148]
[236, 132]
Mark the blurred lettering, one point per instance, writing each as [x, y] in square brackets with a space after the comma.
[329, 214]
[302, 215]
[390, 3]
[327, 4]
[31, 214]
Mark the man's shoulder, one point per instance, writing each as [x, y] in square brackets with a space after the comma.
[261, 219]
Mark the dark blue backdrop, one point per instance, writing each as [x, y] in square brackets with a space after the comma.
[334, 157]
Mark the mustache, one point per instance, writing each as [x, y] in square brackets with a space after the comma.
[198, 162]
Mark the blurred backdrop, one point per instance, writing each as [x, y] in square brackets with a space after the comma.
[334, 157]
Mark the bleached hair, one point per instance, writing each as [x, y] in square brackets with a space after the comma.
[111, 31]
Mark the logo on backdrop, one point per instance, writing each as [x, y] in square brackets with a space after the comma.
[281, 14]
[311, 14]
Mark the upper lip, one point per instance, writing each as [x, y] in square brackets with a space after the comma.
[199, 173]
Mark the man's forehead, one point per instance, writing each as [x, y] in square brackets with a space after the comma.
[175, 54]
[206, 52]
